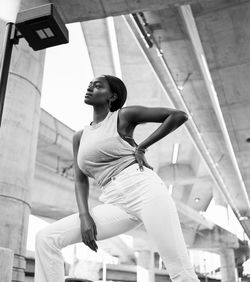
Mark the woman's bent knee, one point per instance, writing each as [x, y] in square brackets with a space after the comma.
[46, 240]
[41, 238]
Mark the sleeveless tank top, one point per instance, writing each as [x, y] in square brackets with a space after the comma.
[102, 152]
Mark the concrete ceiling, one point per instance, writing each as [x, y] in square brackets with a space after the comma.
[77, 10]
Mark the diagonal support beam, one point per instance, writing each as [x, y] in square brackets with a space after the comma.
[79, 11]
[190, 24]
[215, 239]
[157, 62]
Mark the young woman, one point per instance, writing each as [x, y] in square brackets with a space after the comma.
[131, 192]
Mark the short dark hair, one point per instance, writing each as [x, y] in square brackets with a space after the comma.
[117, 86]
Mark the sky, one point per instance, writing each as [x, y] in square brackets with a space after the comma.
[67, 73]
[9, 10]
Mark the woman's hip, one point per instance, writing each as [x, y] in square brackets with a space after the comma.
[133, 185]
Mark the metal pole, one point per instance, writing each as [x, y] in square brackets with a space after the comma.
[5, 64]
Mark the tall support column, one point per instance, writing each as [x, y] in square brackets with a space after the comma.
[228, 271]
[18, 142]
[145, 266]
[6, 264]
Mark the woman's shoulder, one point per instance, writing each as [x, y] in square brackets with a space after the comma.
[77, 136]
[127, 113]
[130, 109]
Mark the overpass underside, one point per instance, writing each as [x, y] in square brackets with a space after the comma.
[192, 55]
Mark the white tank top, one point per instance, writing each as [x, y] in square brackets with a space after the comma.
[102, 152]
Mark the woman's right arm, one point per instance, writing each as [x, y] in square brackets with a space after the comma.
[88, 227]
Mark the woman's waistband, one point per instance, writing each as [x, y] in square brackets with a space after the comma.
[132, 167]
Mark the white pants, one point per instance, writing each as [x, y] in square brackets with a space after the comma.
[131, 198]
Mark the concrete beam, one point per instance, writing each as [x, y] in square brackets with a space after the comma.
[215, 240]
[117, 247]
[194, 216]
[181, 174]
[48, 185]
[78, 11]
[190, 24]
[101, 59]
[55, 138]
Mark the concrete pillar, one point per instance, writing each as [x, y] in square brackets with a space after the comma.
[228, 271]
[145, 266]
[96, 35]
[6, 263]
[18, 142]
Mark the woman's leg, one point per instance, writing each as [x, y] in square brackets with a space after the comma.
[161, 221]
[49, 267]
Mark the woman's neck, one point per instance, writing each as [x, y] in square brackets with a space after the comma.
[99, 116]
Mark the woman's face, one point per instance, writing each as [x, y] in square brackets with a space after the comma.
[98, 92]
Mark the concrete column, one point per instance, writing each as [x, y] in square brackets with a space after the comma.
[96, 35]
[6, 263]
[145, 266]
[18, 142]
[228, 271]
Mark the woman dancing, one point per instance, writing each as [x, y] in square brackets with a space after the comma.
[131, 192]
